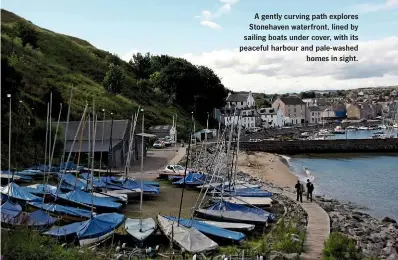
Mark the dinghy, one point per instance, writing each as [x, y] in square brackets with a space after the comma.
[210, 230]
[14, 191]
[12, 216]
[247, 192]
[189, 239]
[226, 211]
[230, 225]
[94, 230]
[65, 212]
[193, 179]
[255, 201]
[140, 231]
[81, 198]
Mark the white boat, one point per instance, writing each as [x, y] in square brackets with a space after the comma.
[338, 130]
[139, 231]
[131, 194]
[363, 128]
[324, 132]
[121, 197]
[382, 126]
[189, 239]
[255, 201]
[395, 126]
[230, 225]
[351, 128]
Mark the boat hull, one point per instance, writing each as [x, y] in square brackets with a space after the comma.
[132, 226]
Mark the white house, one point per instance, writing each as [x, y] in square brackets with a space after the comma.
[271, 117]
[313, 115]
[246, 118]
[241, 100]
[162, 131]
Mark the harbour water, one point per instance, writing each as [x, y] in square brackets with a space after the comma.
[368, 180]
[360, 134]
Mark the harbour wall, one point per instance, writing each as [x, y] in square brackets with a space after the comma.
[322, 146]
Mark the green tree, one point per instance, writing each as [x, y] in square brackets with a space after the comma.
[113, 79]
[27, 34]
[141, 65]
[308, 94]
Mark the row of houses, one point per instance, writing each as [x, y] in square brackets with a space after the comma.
[292, 110]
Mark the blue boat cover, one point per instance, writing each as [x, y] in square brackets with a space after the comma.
[14, 191]
[248, 192]
[41, 188]
[10, 210]
[138, 181]
[68, 166]
[87, 198]
[56, 208]
[96, 226]
[130, 184]
[97, 182]
[110, 179]
[71, 180]
[36, 219]
[210, 229]
[21, 177]
[228, 206]
[193, 178]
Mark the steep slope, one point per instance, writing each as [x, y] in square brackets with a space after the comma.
[36, 61]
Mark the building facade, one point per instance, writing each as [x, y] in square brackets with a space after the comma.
[293, 109]
[270, 117]
[313, 115]
[240, 100]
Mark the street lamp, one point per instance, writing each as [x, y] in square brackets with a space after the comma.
[9, 141]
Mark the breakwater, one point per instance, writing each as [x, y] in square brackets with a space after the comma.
[322, 146]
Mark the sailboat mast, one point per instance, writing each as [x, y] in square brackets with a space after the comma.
[70, 151]
[45, 146]
[92, 160]
[49, 128]
[237, 150]
[67, 126]
[142, 168]
[51, 156]
[102, 140]
[185, 171]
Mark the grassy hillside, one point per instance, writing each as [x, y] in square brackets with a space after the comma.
[54, 62]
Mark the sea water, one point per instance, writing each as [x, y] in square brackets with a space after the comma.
[368, 180]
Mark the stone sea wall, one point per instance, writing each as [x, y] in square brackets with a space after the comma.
[322, 146]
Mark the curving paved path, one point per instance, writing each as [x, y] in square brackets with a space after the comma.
[318, 227]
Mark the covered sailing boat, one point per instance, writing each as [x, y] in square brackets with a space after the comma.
[140, 229]
[95, 229]
[189, 239]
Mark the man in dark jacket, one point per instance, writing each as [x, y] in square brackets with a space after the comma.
[310, 190]
[299, 191]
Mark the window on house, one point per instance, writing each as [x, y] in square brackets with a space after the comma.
[312, 113]
[241, 103]
[294, 110]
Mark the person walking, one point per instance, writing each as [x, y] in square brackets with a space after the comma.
[310, 190]
[301, 192]
[298, 191]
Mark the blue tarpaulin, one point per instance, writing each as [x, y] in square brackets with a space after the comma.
[10, 210]
[248, 192]
[61, 209]
[68, 166]
[14, 191]
[210, 229]
[228, 206]
[40, 189]
[36, 219]
[82, 197]
[95, 227]
[130, 184]
[96, 181]
[71, 180]
[193, 178]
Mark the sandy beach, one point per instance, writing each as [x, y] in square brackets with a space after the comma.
[268, 167]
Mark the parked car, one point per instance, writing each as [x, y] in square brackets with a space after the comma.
[158, 144]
